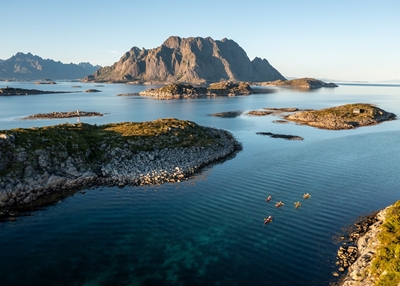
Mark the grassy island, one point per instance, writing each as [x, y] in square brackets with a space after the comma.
[342, 117]
[39, 161]
[300, 83]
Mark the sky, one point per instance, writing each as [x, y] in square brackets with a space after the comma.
[346, 40]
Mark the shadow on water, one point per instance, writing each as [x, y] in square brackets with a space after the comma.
[13, 212]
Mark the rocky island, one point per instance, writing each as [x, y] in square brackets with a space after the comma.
[7, 91]
[68, 114]
[300, 83]
[283, 136]
[227, 114]
[342, 117]
[40, 162]
[181, 91]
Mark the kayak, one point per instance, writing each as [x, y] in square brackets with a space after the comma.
[267, 220]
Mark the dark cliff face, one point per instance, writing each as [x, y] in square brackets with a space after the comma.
[192, 60]
[30, 67]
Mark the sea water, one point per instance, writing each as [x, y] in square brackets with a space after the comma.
[209, 230]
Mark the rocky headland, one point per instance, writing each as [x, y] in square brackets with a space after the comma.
[300, 83]
[60, 114]
[7, 91]
[39, 162]
[346, 116]
[183, 91]
[193, 60]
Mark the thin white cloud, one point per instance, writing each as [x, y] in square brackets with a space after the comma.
[114, 52]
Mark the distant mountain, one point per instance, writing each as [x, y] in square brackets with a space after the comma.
[191, 60]
[29, 67]
[1, 61]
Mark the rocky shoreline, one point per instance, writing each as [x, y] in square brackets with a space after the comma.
[300, 83]
[68, 114]
[7, 91]
[184, 91]
[358, 256]
[50, 168]
[346, 116]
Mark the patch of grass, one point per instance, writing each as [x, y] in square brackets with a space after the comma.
[366, 111]
[386, 264]
[89, 143]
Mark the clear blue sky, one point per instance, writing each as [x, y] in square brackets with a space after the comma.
[340, 40]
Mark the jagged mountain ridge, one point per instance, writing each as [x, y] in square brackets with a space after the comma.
[191, 60]
[31, 67]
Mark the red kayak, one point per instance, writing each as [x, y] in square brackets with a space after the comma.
[267, 220]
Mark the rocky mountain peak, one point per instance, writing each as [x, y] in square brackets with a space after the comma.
[30, 67]
[193, 60]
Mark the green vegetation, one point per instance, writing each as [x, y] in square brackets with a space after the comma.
[179, 90]
[302, 83]
[89, 142]
[342, 117]
[352, 112]
[386, 264]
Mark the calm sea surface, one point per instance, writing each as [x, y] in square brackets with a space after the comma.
[209, 230]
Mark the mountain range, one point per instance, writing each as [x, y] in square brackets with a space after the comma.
[193, 60]
[31, 67]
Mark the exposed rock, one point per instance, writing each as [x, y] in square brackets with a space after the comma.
[301, 83]
[259, 112]
[181, 91]
[284, 136]
[92, 90]
[38, 162]
[69, 114]
[273, 111]
[228, 114]
[280, 121]
[283, 109]
[358, 257]
[22, 91]
[342, 117]
[45, 82]
[190, 60]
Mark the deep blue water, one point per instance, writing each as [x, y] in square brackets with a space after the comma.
[209, 230]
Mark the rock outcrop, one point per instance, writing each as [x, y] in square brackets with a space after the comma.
[180, 91]
[68, 114]
[346, 116]
[300, 83]
[29, 67]
[189, 60]
[7, 91]
[283, 136]
[362, 253]
[42, 161]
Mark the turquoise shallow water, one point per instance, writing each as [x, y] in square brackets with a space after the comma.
[209, 230]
